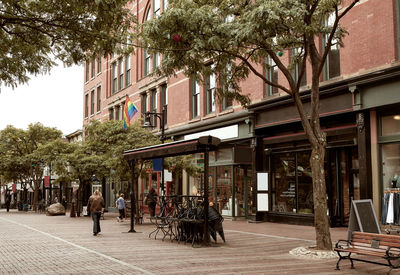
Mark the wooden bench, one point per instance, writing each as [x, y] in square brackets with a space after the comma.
[384, 247]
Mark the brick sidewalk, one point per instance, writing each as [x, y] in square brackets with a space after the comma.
[37, 244]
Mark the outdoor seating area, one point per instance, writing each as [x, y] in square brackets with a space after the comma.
[181, 218]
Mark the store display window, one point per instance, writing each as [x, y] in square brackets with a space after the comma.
[291, 180]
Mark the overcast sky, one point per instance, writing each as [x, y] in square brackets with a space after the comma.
[55, 100]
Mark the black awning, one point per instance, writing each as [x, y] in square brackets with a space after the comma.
[184, 147]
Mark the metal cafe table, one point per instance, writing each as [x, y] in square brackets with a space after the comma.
[181, 218]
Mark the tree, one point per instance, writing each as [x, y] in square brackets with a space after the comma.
[110, 140]
[21, 156]
[238, 36]
[33, 33]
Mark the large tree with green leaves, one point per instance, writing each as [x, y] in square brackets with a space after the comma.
[35, 32]
[237, 36]
[22, 158]
[110, 140]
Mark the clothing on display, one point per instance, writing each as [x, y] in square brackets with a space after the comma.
[391, 207]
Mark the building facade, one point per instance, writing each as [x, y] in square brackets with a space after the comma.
[360, 98]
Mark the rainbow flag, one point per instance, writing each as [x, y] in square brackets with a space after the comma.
[129, 111]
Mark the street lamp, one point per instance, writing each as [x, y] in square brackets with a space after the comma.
[147, 124]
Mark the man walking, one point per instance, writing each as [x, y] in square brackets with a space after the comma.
[120, 203]
[96, 205]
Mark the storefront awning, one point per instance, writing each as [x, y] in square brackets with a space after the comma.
[184, 147]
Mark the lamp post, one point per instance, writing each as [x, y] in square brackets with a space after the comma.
[147, 124]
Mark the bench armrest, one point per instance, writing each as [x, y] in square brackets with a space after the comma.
[342, 244]
[392, 254]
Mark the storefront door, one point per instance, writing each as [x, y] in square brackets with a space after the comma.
[342, 183]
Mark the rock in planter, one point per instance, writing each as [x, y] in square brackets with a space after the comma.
[55, 209]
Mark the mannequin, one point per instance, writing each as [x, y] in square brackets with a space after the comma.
[395, 181]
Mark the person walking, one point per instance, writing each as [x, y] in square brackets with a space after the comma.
[120, 203]
[96, 205]
[151, 201]
[8, 202]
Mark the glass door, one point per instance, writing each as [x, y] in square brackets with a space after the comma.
[342, 183]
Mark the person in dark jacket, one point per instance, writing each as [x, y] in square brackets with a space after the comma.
[96, 205]
[151, 201]
[8, 202]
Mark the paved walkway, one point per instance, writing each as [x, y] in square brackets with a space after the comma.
[37, 244]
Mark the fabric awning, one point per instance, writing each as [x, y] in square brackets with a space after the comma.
[184, 147]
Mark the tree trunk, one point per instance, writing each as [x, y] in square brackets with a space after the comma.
[321, 220]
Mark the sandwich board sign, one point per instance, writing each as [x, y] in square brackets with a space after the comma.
[363, 217]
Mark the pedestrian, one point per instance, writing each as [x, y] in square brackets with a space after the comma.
[120, 203]
[64, 202]
[96, 205]
[8, 202]
[151, 201]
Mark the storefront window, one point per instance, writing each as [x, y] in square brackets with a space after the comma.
[391, 165]
[292, 190]
[224, 190]
[305, 185]
[243, 191]
[224, 154]
[195, 185]
[390, 125]
[284, 183]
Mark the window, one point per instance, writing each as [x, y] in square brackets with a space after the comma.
[164, 102]
[111, 114]
[98, 99]
[195, 99]
[86, 105]
[296, 71]
[92, 68]
[291, 183]
[99, 64]
[146, 63]
[154, 95]
[92, 102]
[117, 112]
[114, 77]
[210, 88]
[332, 64]
[87, 71]
[144, 103]
[156, 8]
[165, 5]
[120, 74]
[128, 70]
[271, 75]
[156, 60]
[227, 101]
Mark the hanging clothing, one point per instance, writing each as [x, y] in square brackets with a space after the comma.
[385, 204]
[396, 206]
[390, 214]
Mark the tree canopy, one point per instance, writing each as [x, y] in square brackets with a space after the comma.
[35, 32]
[22, 154]
[234, 38]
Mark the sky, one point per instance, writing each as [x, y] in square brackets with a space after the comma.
[55, 100]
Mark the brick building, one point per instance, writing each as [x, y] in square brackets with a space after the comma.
[360, 98]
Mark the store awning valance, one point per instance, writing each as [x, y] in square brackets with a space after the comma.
[184, 147]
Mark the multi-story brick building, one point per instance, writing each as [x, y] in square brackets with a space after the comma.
[360, 101]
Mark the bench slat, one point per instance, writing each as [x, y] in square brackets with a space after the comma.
[362, 252]
[369, 236]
